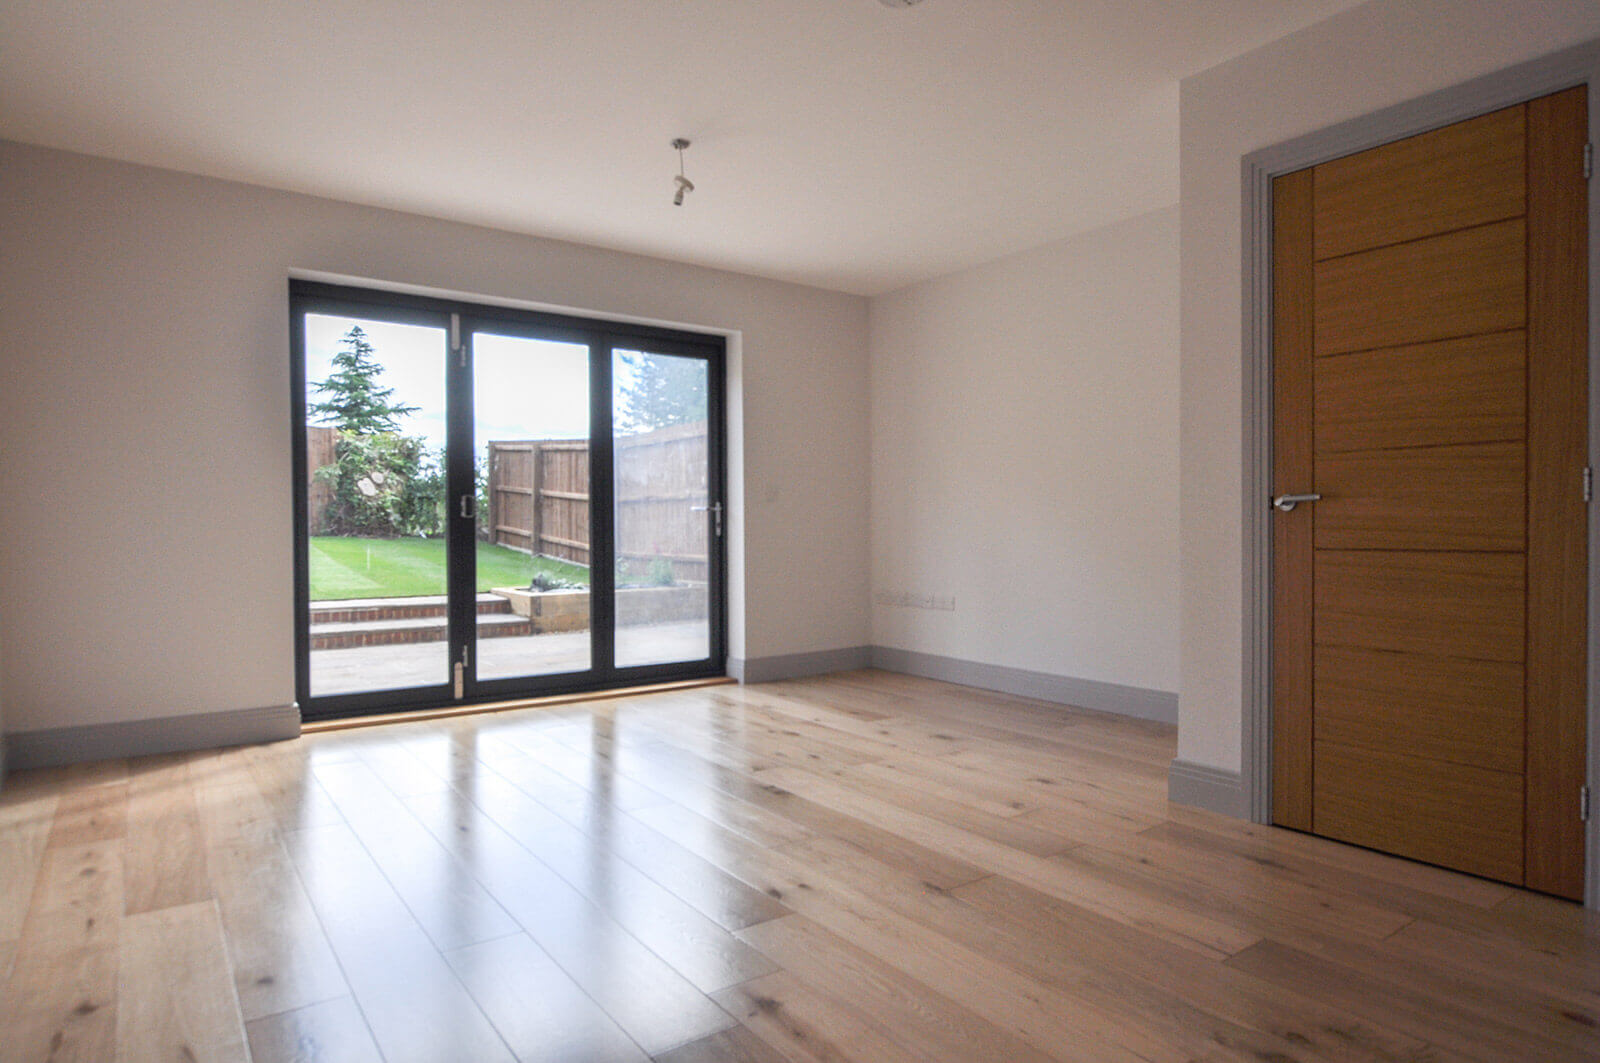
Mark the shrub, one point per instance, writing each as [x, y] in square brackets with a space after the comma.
[384, 486]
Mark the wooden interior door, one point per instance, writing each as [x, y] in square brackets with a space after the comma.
[1430, 378]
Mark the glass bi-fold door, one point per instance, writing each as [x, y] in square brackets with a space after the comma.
[495, 504]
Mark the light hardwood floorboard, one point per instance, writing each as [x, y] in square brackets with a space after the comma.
[859, 868]
[333, 1031]
[26, 818]
[60, 1001]
[173, 999]
[165, 857]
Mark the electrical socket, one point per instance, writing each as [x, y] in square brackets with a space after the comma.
[913, 600]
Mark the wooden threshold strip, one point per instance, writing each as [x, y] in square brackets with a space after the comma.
[345, 723]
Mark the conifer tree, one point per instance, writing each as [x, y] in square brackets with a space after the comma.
[355, 403]
[664, 390]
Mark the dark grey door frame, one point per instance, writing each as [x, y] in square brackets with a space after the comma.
[603, 336]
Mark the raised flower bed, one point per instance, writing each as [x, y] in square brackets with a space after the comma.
[568, 609]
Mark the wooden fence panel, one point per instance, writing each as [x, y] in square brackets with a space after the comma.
[539, 499]
[513, 518]
[661, 478]
[563, 493]
[321, 449]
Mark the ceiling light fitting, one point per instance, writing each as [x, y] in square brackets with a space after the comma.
[899, 3]
[684, 184]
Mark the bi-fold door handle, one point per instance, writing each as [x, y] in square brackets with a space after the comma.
[715, 510]
[1285, 503]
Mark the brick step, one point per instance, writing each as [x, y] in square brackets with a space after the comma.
[344, 636]
[361, 610]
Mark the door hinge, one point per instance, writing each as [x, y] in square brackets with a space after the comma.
[1588, 483]
[460, 670]
[1588, 161]
[1583, 804]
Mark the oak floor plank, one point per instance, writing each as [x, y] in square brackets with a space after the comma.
[932, 1025]
[449, 905]
[716, 844]
[734, 1045]
[880, 728]
[1139, 1003]
[914, 772]
[1182, 923]
[333, 1031]
[1025, 835]
[1270, 845]
[806, 1027]
[696, 947]
[723, 899]
[60, 1002]
[1071, 776]
[542, 1013]
[1044, 1016]
[175, 998]
[284, 781]
[1038, 799]
[653, 1003]
[96, 812]
[165, 857]
[763, 742]
[1515, 1003]
[1008, 720]
[1123, 952]
[1496, 961]
[1556, 921]
[588, 767]
[1475, 1029]
[1236, 891]
[417, 1009]
[26, 820]
[280, 958]
[1037, 1013]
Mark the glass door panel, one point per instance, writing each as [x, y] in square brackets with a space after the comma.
[374, 506]
[495, 503]
[531, 404]
[666, 517]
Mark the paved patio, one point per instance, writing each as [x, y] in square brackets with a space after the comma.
[364, 668]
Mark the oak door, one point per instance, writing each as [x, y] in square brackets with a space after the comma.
[1430, 385]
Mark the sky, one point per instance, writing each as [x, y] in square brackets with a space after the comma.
[523, 389]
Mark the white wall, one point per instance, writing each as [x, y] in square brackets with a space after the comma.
[1371, 57]
[144, 422]
[2, 712]
[1025, 455]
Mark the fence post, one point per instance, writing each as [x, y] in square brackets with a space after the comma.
[536, 525]
[493, 476]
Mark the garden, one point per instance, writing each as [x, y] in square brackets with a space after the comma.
[377, 513]
[344, 567]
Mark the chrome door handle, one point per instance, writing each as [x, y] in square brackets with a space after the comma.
[1285, 503]
[715, 510]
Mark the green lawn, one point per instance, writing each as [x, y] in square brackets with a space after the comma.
[404, 568]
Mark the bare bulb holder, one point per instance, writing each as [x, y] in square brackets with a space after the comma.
[684, 185]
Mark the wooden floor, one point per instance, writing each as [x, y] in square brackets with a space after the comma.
[860, 867]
